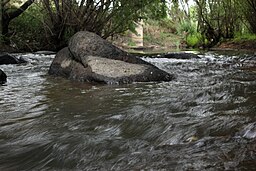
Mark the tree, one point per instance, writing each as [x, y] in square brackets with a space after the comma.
[7, 13]
[248, 8]
[103, 17]
[217, 19]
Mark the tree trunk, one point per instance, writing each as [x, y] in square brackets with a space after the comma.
[5, 26]
[5, 29]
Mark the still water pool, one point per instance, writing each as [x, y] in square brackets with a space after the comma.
[203, 120]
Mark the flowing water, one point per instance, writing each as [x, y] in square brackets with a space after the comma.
[203, 120]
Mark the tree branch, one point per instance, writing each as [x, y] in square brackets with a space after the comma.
[17, 12]
[4, 2]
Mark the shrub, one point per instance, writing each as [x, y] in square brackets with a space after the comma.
[186, 27]
[195, 40]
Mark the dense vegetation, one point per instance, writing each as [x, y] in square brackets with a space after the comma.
[48, 24]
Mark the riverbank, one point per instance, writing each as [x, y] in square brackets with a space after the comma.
[227, 45]
[7, 49]
[232, 45]
[236, 45]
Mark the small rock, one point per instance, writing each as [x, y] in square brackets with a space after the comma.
[192, 139]
[249, 131]
[6, 59]
[3, 77]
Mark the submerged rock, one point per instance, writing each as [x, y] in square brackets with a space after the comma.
[45, 52]
[90, 58]
[181, 55]
[3, 77]
[6, 59]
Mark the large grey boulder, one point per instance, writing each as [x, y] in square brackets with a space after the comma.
[86, 43]
[90, 58]
[3, 77]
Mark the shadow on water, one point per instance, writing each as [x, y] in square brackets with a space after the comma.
[203, 120]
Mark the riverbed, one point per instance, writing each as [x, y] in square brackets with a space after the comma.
[205, 119]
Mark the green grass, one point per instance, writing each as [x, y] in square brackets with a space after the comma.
[131, 43]
[194, 40]
[247, 36]
[162, 39]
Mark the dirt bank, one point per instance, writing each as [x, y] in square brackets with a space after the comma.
[245, 45]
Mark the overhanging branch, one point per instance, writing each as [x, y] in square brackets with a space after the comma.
[17, 12]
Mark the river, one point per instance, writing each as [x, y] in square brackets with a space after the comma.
[205, 119]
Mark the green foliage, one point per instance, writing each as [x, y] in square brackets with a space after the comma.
[164, 24]
[188, 31]
[27, 29]
[248, 10]
[167, 24]
[247, 36]
[155, 10]
[105, 18]
[1, 38]
[131, 43]
[186, 27]
[148, 38]
[161, 33]
[195, 40]
[54, 22]
[218, 19]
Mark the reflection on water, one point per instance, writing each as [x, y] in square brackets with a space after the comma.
[203, 120]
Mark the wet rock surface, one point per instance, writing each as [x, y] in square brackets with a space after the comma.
[6, 59]
[90, 58]
[180, 55]
[3, 77]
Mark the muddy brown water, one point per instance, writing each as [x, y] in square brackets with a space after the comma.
[203, 120]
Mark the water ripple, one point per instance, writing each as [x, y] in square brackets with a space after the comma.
[203, 120]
